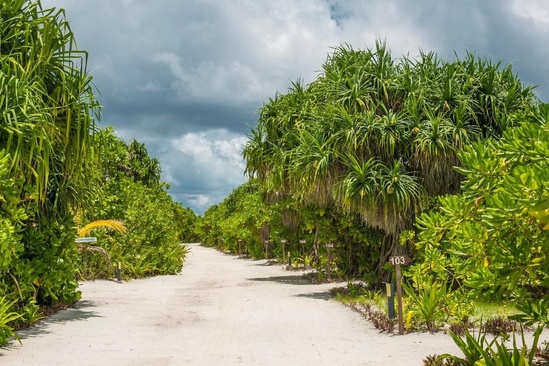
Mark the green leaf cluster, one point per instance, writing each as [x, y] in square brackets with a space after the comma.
[127, 188]
[47, 117]
[379, 137]
[490, 238]
[481, 351]
[54, 169]
[255, 214]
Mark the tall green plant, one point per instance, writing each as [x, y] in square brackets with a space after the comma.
[127, 188]
[378, 137]
[7, 316]
[486, 238]
[480, 351]
[49, 105]
[46, 127]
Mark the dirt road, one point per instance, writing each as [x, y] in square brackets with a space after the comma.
[220, 311]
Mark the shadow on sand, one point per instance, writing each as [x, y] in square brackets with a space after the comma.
[317, 295]
[290, 280]
[74, 313]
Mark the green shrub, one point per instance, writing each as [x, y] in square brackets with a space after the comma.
[427, 304]
[480, 351]
[7, 316]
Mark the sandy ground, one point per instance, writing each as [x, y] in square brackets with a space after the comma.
[220, 311]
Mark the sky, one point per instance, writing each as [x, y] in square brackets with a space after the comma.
[188, 77]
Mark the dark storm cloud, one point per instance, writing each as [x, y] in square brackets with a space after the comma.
[514, 32]
[188, 77]
[156, 118]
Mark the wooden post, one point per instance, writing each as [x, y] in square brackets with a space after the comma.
[315, 245]
[283, 241]
[390, 290]
[302, 242]
[397, 261]
[119, 272]
[329, 247]
[266, 249]
[239, 247]
[399, 299]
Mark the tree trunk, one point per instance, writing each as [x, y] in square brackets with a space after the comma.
[389, 247]
[315, 245]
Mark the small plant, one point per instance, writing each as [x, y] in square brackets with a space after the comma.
[427, 304]
[459, 328]
[381, 321]
[31, 314]
[362, 309]
[378, 318]
[479, 351]
[432, 360]
[436, 360]
[7, 316]
[357, 289]
[500, 325]
[305, 261]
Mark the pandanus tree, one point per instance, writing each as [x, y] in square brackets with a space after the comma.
[47, 120]
[377, 136]
[48, 105]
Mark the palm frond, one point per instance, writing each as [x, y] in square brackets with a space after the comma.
[106, 224]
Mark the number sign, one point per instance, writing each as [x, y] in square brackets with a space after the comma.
[400, 260]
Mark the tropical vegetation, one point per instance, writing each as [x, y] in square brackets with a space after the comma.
[373, 141]
[444, 161]
[57, 174]
[127, 187]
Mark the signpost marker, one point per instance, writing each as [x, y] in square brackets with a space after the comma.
[119, 272]
[329, 247]
[302, 242]
[266, 249]
[86, 239]
[397, 261]
[390, 292]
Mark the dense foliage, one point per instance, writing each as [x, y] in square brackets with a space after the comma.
[249, 214]
[48, 110]
[55, 174]
[444, 161]
[488, 238]
[375, 138]
[127, 188]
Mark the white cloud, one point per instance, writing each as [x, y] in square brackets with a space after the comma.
[208, 165]
[186, 77]
[537, 10]
[199, 202]
[217, 151]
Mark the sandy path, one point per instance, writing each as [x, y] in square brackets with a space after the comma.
[220, 311]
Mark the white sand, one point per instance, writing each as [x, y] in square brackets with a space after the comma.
[220, 311]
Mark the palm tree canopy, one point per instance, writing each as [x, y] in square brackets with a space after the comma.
[48, 105]
[377, 136]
